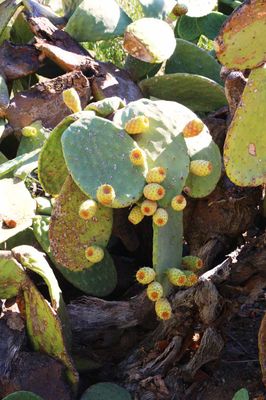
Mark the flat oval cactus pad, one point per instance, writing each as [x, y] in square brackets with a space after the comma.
[241, 43]
[70, 235]
[245, 145]
[97, 153]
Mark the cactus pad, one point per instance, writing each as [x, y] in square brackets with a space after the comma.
[199, 8]
[12, 275]
[22, 395]
[191, 59]
[142, 41]
[194, 91]
[70, 235]
[92, 21]
[52, 167]
[100, 280]
[105, 107]
[105, 391]
[241, 42]
[97, 153]
[245, 145]
[157, 8]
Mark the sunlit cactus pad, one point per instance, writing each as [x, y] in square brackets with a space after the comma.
[199, 8]
[97, 153]
[245, 145]
[194, 91]
[70, 235]
[241, 43]
[97, 20]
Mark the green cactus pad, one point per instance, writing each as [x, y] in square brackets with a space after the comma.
[22, 395]
[28, 144]
[202, 147]
[26, 236]
[168, 246]
[96, 153]
[7, 10]
[10, 165]
[199, 8]
[106, 391]
[163, 141]
[52, 166]
[16, 205]
[93, 20]
[99, 280]
[187, 28]
[241, 43]
[210, 25]
[191, 59]
[140, 69]
[193, 91]
[157, 8]
[45, 330]
[70, 235]
[12, 275]
[241, 394]
[69, 6]
[4, 95]
[245, 145]
[141, 40]
[105, 107]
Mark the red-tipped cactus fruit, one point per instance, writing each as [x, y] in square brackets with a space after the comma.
[145, 275]
[163, 309]
[137, 125]
[154, 191]
[176, 276]
[156, 175]
[154, 291]
[148, 207]
[87, 209]
[160, 217]
[178, 202]
[192, 263]
[105, 194]
[200, 167]
[94, 254]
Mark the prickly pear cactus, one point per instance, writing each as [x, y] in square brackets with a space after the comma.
[157, 8]
[245, 145]
[22, 395]
[92, 21]
[241, 44]
[12, 275]
[199, 8]
[105, 391]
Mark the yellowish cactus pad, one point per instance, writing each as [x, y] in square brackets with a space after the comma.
[154, 291]
[163, 309]
[94, 254]
[137, 125]
[145, 275]
[72, 100]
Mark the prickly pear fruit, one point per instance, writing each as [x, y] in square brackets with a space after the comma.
[137, 125]
[154, 191]
[178, 202]
[72, 100]
[156, 175]
[191, 278]
[105, 194]
[154, 291]
[192, 263]
[29, 131]
[137, 157]
[94, 254]
[145, 275]
[200, 167]
[163, 309]
[193, 128]
[160, 217]
[177, 11]
[88, 209]
[176, 277]
[148, 207]
[135, 215]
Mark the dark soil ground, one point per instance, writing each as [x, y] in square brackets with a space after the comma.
[239, 365]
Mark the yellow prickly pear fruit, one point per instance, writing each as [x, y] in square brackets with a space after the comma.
[163, 309]
[88, 209]
[156, 175]
[200, 167]
[193, 128]
[154, 191]
[105, 194]
[137, 157]
[178, 202]
[135, 215]
[72, 100]
[94, 254]
[137, 125]
[148, 207]
[191, 278]
[154, 291]
[192, 263]
[29, 131]
[176, 276]
[160, 217]
[145, 275]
